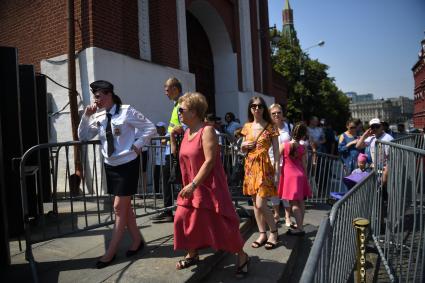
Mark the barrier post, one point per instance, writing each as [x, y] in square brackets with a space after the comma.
[361, 225]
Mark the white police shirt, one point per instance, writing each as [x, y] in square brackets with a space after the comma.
[124, 125]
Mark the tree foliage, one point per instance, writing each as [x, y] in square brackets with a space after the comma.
[311, 92]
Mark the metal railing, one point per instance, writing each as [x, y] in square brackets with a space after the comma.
[332, 257]
[325, 174]
[392, 198]
[78, 203]
[398, 220]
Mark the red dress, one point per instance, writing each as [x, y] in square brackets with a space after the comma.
[208, 218]
[293, 183]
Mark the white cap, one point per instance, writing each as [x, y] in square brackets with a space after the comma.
[374, 121]
[160, 124]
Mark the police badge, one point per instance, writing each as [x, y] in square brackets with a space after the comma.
[117, 131]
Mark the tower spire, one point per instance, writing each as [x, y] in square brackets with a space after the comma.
[288, 29]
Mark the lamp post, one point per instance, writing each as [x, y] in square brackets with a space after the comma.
[302, 71]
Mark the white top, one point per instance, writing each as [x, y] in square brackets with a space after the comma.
[160, 153]
[370, 141]
[123, 126]
[284, 136]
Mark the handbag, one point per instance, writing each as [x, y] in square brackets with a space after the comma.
[238, 172]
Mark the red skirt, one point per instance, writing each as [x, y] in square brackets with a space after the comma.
[196, 228]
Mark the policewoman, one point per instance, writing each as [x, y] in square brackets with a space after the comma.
[116, 124]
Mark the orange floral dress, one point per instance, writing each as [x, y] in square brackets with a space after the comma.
[259, 171]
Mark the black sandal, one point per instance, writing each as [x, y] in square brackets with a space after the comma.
[242, 270]
[187, 262]
[256, 244]
[270, 245]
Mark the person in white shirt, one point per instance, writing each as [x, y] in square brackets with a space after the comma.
[368, 139]
[316, 135]
[116, 127]
[276, 113]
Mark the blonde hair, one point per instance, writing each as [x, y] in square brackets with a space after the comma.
[195, 101]
[275, 105]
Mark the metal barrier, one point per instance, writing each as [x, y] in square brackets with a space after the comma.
[412, 140]
[398, 220]
[325, 173]
[392, 198]
[332, 257]
[76, 206]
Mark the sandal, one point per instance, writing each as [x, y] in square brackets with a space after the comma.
[270, 245]
[187, 262]
[256, 244]
[242, 270]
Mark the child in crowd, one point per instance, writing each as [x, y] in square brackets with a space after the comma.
[361, 163]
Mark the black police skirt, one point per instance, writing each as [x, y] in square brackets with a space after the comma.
[122, 180]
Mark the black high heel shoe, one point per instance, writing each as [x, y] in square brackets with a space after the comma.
[131, 253]
[242, 270]
[102, 264]
[270, 245]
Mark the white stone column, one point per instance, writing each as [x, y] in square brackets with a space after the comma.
[144, 32]
[246, 46]
[182, 33]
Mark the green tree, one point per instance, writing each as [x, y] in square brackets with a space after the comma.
[311, 92]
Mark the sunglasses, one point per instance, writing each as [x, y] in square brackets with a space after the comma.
[254, 106]
[182, 110]
[276, 113]
[375, 126]
[352, 128]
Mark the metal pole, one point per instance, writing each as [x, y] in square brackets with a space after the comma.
[361, 225]
[72, 92]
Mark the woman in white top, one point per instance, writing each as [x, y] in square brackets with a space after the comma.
[116, 127]
[276, 114]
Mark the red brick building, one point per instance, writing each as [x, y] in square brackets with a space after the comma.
[419, 92]
[218, 47]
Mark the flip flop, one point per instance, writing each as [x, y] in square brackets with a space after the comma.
[187, 262]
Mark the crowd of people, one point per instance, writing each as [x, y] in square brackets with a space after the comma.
[275, 167]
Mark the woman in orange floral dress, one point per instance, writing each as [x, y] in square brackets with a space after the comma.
[261, 176]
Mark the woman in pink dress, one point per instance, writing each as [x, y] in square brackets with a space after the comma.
[205, 215]
[293, 185]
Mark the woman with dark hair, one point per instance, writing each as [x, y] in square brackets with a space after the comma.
[231, 125]
[261, 176]
[347, 147]
[293, 185]
[116, 126]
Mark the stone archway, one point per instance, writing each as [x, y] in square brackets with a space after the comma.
[225, 74]
[200, 59]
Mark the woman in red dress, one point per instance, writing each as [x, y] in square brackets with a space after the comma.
[205, 215]
[293, 184]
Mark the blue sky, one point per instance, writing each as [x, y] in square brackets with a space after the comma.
[371, 45]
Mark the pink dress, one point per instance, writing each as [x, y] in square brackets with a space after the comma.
[293, 183]
[208, 218]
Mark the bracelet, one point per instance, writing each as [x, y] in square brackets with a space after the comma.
[193, 185]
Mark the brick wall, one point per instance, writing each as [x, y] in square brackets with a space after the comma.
[115, 26]
[38, 28]
[163, 32]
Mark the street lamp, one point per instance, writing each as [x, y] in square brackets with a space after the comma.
[302, 71]
[319, 44]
